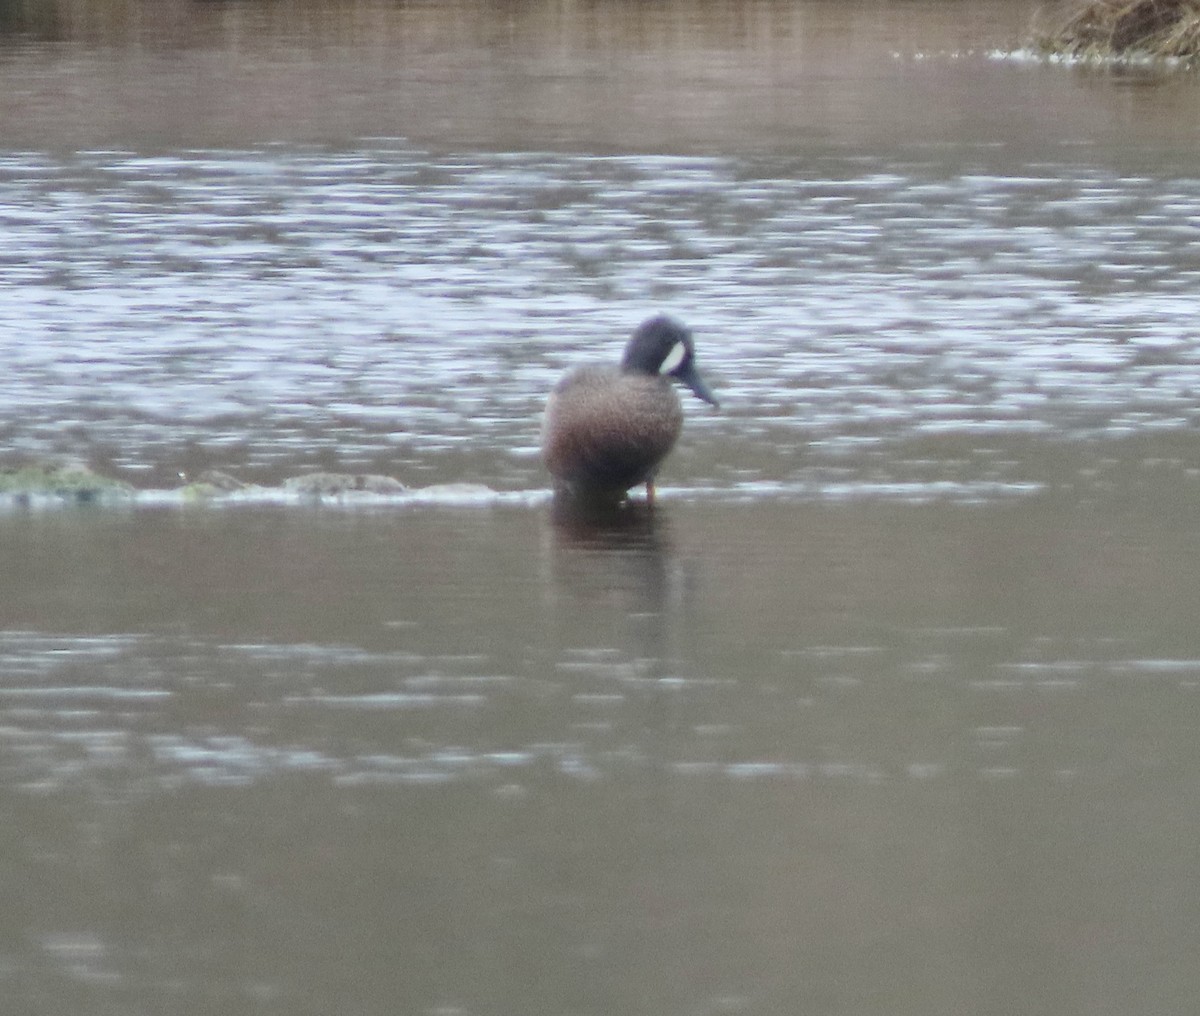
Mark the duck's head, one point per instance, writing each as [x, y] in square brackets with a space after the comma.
[663, 347]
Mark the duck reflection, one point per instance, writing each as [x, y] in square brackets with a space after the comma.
[614, 578]
[613, 524]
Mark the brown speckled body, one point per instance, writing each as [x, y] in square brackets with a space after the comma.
[607, 430]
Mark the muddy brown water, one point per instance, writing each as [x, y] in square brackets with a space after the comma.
[890, 706]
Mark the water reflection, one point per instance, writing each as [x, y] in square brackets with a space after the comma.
[617, 562]
[526, 760]
[629, 525]
[768, 75]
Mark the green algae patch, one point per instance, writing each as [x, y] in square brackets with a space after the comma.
[1120, 31]
[64, 482]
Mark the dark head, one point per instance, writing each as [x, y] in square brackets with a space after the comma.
[662, 346]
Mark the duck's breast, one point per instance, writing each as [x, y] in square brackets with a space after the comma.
[605, 428]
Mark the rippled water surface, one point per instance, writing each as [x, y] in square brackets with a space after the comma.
[888, 707]
[394, 311]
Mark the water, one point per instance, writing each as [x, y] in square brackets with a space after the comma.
[395, 311]
[888, 707]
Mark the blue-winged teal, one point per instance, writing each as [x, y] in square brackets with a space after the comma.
[607, 429]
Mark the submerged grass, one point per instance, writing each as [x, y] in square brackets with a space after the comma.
[1124, 29]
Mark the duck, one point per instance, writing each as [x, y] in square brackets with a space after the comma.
[607, 429]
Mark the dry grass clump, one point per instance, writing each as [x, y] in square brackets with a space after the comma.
[1112, 29]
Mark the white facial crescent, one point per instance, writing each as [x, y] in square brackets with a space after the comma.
[674, 358]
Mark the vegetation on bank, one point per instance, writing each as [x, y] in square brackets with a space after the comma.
[68, 481]
[50, 482]
[1124, 30]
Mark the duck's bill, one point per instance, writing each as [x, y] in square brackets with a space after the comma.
[691, 377]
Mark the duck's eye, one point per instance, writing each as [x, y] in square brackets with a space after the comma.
[674, 358]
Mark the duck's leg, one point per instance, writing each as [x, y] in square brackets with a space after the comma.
[650, 493]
